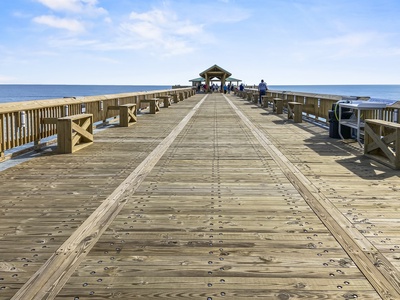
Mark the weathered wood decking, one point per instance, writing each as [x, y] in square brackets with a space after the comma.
[213, 198]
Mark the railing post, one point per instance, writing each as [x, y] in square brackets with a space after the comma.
[1, 137]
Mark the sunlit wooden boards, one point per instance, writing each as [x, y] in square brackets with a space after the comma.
[215, 218]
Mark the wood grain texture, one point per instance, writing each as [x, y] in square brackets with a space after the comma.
[218, 216]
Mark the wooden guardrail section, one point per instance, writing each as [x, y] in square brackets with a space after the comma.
[22, 123]
[314, 106]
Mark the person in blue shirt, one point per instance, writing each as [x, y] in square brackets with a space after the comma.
[262, 89]
[225, 88]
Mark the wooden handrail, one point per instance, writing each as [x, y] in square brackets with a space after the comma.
[22, 123]
[317, 106]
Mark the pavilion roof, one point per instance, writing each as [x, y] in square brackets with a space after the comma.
[215, 71]
[200, 79]
[232, 79]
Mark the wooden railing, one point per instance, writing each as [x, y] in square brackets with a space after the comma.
[317, 106]
[22, 123]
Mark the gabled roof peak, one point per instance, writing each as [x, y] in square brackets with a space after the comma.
[215, 69]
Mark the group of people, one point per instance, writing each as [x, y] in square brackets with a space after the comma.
[228, 88]
[262, 88]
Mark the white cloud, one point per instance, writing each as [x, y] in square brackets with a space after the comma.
[73, 12]
[108, 20]
[72, 43]
[154, 16]
[176, 48]
[161, 30]
[188, 29]
[62, 5]
[145, 30]
[61, 23]
[74, 6]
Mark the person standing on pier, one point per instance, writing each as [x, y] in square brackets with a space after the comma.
[262, 89]
[225, 88]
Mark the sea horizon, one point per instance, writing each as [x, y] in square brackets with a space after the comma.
[29, 92]
[381, 91]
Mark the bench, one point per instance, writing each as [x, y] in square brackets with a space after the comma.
[265, 100]
[127, 114]
[277, 105]
[154, 104]
[73, 132]
[256, 96]
[249, 96]
[382, 142]
[175, 98]
[295, 111]
[166, 99]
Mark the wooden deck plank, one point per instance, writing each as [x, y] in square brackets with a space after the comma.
[262, 203]
[217, 206]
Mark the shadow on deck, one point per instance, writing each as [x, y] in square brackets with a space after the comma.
[209, 199]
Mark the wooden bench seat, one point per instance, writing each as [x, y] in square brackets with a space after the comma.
[382, 142]
[256, 96]
[127, 114]
[249, 96]
[175, 98]
[265, 100]
[295, 111]
[73, 132]
[166, 100]
[277, 105]
[154, 104]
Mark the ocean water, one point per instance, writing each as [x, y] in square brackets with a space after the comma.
[22, 92]
[383, 91]
[27, 92]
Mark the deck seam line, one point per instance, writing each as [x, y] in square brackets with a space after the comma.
[369, 259]
[50, 278]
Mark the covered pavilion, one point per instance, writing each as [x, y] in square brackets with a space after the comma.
[214, 73]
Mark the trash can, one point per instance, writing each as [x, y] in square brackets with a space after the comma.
[334, 122]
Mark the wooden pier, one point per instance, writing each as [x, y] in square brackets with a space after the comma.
[212, 198]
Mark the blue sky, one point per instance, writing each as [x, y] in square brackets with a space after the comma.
[169, 42]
